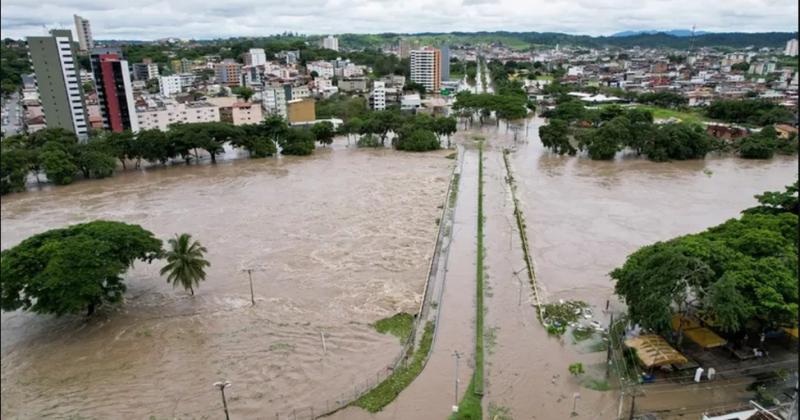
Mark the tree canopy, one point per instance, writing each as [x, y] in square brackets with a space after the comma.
[73, 269]
[739, 272]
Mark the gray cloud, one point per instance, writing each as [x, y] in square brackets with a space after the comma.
[152, 19]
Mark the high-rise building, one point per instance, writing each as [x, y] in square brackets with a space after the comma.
[228, 72]
[255, 57]
[170, 85]
[426, 68]
[378, 96]
[330, 42]
[445, 62]
[406, 46]
[114, 91]
[58, 81]
[791, 48]
[145, 70]
[84, 31]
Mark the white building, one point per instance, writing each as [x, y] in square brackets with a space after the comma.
[84, 32]
[378, 96]
[324, 69]
[425, 68]
[169, 85]
[160, 114]
[410, 102]
[330, 42]
[791, 48]
[152, 70]
[274, 100]
[255, 57]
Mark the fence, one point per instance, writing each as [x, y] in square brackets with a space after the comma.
[348, 397]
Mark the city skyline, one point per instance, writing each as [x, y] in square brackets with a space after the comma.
[153, 20]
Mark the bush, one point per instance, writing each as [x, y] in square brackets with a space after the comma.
[369, 140]
[418, 140]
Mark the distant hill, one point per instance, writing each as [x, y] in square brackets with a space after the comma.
[525, 40]
[673, 32]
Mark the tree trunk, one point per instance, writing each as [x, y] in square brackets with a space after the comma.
[191, 290]
[124, 167]
[90, 309]
[213, 158]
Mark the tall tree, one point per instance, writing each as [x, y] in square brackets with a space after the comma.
[186, 262]
[73, 269]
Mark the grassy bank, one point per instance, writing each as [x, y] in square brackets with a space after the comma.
[470, 406]
[400, 325]
[380, 396]
[660, 113]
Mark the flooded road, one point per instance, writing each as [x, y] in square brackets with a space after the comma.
[582, 219]
[339, 240]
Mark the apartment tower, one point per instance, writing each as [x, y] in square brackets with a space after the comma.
[426, 68]
[58, 81]
[84, 31]
[114, 92]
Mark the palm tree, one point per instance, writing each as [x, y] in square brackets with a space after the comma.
[185, 262]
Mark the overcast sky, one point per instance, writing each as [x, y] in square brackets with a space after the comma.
[203, 19]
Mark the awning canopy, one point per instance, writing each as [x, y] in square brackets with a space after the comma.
[652, 350]
[692, 329]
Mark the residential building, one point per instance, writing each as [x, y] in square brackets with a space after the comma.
[289, 57]
[354, 85]
[410, 102]
[114, 90]
[145, 70]
[377, 98]
[426, 68]
[228, 72]
[323, 69]
[406, 46]
[330, 42]
[84, 31]
[445, 66]
[791, 48]
[181, 66]
[58, 79]
[300, 110]
[241, 113]
[170, 85]
[274, 100]
[159, 114]
[255, 57]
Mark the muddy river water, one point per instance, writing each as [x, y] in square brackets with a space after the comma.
[339, 240]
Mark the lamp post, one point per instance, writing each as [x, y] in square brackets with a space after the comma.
[575, 397]
[457, 355]
[222, 385]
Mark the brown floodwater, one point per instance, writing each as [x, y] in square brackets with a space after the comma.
[339, 240]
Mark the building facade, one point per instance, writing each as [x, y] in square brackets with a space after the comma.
[426, 68]
[445, 66]
[84, 31]
[58, 81]
[301, 110]
[114, 91]
[241, 113]
[255, 57]
[791, 48]
[170, 85]
[160, 114]
[330, 42]
[377, 98]
[228, 73]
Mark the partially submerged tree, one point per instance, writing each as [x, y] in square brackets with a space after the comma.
[186, 262]
[73, 269]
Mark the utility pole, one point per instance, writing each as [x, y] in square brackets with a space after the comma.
[222, 385]
[250, 275]
[575, 397]
[457, 355]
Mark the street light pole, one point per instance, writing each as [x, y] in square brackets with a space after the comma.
[455, 396]
[222, 385]
[250, 276]
[575, 397]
